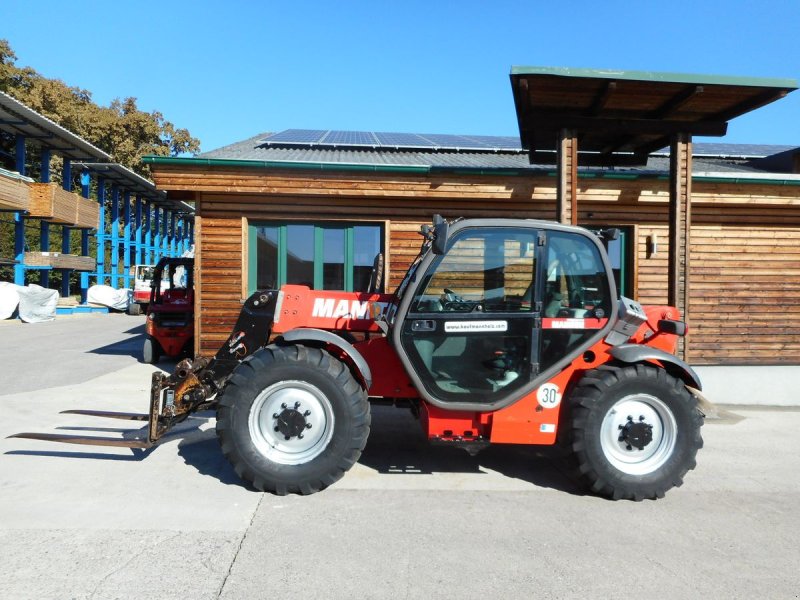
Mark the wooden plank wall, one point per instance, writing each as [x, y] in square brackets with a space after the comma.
[745, 277]
[219, 275]
[745, 294]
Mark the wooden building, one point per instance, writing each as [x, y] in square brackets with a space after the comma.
[745, 238]
[314, 207]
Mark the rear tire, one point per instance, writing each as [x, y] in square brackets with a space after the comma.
[634, 432]
[292, 419]
[134, 309]
[151, 351]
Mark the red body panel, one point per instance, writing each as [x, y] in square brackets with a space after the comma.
[336, 311]
[533, 419]
[389, 378]
[172, 338]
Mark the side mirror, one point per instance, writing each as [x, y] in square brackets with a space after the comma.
[609, 235]
[440, 233]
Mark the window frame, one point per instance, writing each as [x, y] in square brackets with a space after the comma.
[318, 252]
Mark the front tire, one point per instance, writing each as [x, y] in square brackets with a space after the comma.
[635, 431]
[292, 419]
[151, 351]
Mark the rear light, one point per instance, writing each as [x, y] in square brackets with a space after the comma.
[673, 327]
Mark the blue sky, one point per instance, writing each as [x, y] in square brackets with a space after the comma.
[229, 70]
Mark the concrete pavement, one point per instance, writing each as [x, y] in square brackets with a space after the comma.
[410, 520]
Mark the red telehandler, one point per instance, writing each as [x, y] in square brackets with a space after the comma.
[502, 331]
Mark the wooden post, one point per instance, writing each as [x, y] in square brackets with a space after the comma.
[680, 224]
[567, 192]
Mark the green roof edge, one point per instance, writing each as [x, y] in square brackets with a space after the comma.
[351, 167]
[276, 164]
[692, 78]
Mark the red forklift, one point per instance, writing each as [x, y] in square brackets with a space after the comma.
[170, 313]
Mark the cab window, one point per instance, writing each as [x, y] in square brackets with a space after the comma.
[483, 271]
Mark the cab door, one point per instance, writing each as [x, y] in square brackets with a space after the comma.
[470, 332]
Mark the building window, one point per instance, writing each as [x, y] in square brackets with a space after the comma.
[322, 256]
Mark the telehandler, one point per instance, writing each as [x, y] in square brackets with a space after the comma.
[502, 331]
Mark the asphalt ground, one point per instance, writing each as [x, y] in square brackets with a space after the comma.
[408, 521]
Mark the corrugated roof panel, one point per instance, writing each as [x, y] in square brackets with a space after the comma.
[16, 117]
[722, 150]
[734, 157]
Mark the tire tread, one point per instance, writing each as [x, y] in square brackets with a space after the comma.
[244, 383]
[590, 392]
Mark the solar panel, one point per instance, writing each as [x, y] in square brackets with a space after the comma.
[297, 136]
[350, 138]
[324, 137]
[442, 140]
[496, 141]
[403, 140]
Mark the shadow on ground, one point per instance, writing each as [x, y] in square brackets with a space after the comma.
[131, 346]
[396, 448]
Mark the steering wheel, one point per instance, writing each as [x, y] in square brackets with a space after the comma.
[452, 302]
[450, 296]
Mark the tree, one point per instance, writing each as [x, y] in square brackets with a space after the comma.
[120, 129]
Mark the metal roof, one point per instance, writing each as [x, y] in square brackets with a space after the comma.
[135, 183]
[622, 116]
[733, 151]
[254, 149]
[717, 158]
[15, 118]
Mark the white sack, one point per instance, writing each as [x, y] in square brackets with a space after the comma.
[105, 295]
[37, 304]
[9, 299]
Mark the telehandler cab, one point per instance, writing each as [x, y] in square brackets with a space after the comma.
[502, 331]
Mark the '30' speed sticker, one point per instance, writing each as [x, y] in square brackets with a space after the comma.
[548, 395]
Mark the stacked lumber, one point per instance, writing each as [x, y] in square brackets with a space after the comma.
[74, 262]
[57, 260]
[14, 192]
[39, 259]
[88, 214]
[51, 203]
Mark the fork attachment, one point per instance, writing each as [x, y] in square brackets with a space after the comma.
[192, 386]
[172, 399]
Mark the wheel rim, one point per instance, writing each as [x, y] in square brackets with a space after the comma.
[291, 422]
[638, 434]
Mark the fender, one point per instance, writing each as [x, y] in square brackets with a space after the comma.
[307, 334]
[634, 353]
